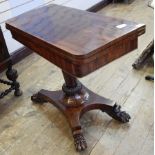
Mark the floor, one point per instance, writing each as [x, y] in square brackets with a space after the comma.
[29, 129]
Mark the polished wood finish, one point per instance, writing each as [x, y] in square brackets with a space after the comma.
[78, 42]
[145, 56]
[42, 129]
[90, 101]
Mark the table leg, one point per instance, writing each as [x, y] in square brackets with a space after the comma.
[74, 100]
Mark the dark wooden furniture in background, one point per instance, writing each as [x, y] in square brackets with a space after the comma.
[10, 73]
[144, 58]
[79, 42]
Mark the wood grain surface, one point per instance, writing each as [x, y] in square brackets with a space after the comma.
[77, 41]
[43, 130]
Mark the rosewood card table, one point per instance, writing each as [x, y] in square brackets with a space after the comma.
[78, 42]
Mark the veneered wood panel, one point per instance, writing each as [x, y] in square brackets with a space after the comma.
[76, 40]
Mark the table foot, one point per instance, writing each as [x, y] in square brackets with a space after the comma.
[37, 99]
[74, 113]
[73, 116]
[80, 142]
[118, 115]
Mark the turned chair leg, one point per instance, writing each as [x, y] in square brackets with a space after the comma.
[12, 75]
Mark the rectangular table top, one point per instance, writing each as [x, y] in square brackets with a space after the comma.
[71, 33]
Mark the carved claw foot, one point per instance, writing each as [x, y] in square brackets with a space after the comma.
[37, 99]
[80, 142]
[119, 115]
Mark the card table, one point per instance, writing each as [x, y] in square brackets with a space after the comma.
[78, 42]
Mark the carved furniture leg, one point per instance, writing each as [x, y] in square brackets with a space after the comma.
[14, 85]
[73, 117]
[12, 75]
[143, 58]
[74, 100]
